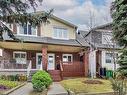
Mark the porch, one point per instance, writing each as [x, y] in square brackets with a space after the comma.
[63, 60]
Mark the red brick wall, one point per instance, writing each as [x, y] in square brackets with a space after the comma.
[73, 69]
[44, 58]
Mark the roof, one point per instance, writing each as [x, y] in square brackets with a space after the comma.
[47, 40]
[58, 19]
[63, 21]
[99, 27]
[102, 26]
[82, 32]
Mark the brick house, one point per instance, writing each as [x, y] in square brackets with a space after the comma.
[55, 47]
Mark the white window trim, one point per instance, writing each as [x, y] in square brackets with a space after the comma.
[60, 37]
[112, 58]
[67, 57]
[18, 33]
[20, 53]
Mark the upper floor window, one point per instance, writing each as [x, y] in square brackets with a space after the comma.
[27, 30]
[107, 38]
[60, 33]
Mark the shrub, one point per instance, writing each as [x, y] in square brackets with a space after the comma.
[41, 80]
[8, 84]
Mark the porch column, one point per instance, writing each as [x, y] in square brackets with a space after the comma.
[44, 58]
[86, 63]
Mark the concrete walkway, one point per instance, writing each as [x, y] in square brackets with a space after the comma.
[57, 89]
[25, 90]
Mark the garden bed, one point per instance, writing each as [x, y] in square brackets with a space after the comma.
[85, 85]
[6, 85]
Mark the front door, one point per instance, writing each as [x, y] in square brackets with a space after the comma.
[39, 61]
[51, 61]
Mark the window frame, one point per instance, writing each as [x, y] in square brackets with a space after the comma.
[20, 52]
[111, 58]
[67, 38]
[18, 31]
[67, 58]
[116, 56]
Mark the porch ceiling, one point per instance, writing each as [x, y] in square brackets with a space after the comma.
[38, 47]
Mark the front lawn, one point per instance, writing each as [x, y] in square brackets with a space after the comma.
[6, 85]
[85, 85]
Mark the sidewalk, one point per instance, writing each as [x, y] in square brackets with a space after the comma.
[25, 90]
[57, 89]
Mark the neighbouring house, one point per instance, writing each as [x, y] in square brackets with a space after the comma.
[55, 47]
[104, 51]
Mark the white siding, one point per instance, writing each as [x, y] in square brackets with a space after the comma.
[109, 66]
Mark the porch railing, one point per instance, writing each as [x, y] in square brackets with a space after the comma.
[11, 64]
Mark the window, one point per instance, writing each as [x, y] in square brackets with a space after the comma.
[20, 57]
[27, 30]
[107, 38]
[60, 33]
[108, 57]
[67, 58]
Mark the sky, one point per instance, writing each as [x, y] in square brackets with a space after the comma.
[80, 12]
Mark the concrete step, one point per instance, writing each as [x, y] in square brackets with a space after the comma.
[57, 89]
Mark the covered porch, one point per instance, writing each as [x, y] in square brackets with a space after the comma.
[49, 57]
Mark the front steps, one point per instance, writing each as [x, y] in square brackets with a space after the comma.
[55, 74]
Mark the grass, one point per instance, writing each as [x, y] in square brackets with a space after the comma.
[78, 86]
[8, 84]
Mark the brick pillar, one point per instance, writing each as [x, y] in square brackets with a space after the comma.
[44, 58]
[86, 63]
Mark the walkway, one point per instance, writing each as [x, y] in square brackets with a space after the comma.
[25, 90]
[57, 89]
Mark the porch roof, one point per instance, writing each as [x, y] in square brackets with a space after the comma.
[47, 40]
[38, 47]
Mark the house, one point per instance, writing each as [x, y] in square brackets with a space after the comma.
[104, 51]
[53, 47]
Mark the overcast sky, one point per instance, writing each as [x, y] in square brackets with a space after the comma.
[78, 11]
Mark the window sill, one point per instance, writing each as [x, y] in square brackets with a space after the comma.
[60, 38]
[27, 35]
